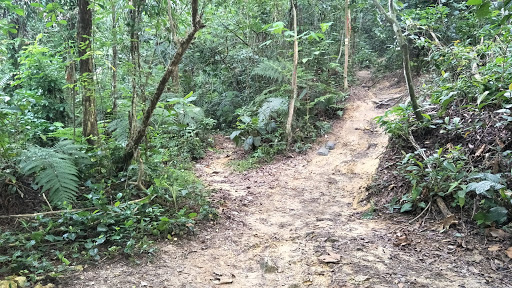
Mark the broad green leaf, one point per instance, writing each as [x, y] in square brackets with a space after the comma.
[257, 141]
[483, 186]
[484, 10]
[37, 5]
[93, 251]
[415, 193]
[498, 215]
[461, 197]
[325, 26]
[235, 134]
[481, 97]
[450, 166]
[63, 22]
[453, 185]
[406, 207]
[49, 24]
[189, 95]
[474, 2]
[19, 11]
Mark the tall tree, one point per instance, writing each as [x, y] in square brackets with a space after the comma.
[135, 19]
[347, 43]
[89, 121]
[138, 134]
[115, 56]
[293, 97]
[404, 47]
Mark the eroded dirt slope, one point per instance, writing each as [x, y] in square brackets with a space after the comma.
[281, 223]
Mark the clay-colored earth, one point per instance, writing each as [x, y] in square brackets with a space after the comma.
[298, 223]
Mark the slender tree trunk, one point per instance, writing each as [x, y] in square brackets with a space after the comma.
[89, 121]
[404, 47]
[291, 105]
[138, 135]
[175, 77]
[71, 79]
[134, 42]
[347, 43]
[114, 58]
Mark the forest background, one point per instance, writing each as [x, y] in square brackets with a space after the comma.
[104, 106]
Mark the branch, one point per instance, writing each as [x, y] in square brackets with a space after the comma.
[137, 136]
[236, 35]
[60, 211]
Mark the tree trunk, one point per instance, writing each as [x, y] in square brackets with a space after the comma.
[134, 56]
[138, 135]
[347, 43]
[404, 47]
[114, 58]
[175, 77]
[89, 121]
[291, 106]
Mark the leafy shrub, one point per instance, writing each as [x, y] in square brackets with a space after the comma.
[111, 226]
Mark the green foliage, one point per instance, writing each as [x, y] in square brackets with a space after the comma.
[467, 105]
[274, 70]
[55, 170]
[53, 244]
[441, 174]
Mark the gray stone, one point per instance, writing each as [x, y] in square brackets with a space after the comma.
[322, 151]
[330, 145]
[268, 266]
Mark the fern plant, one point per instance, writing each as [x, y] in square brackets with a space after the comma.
[275, 70]
[54, 169]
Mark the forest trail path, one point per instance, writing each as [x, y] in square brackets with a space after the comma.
[279, 222]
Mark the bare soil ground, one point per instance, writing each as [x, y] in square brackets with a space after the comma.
[298, 223]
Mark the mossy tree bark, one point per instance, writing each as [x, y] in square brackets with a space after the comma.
[89, 121]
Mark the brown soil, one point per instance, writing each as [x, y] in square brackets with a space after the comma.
[281, 223]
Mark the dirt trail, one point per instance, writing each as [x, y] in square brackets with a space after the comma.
[279, 221]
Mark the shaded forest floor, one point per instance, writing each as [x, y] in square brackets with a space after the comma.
[298, 223]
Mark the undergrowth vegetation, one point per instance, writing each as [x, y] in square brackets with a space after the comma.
[97, 157]
[461, 150]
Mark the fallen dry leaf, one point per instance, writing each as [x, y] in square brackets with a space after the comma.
[445, 224]
[330, 258]
[219, 278]
[494, 248]
[479, 152]
[498, 233]
[509, 252]
[401, 240]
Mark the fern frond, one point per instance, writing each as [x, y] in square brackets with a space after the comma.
[270, 106]
[119, 128]
[275, 70]
[55, 170]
